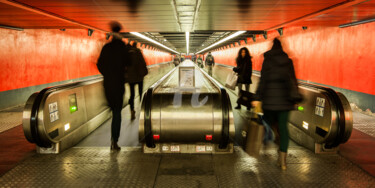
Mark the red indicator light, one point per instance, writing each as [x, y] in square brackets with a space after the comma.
[208, 137]
[156, 137]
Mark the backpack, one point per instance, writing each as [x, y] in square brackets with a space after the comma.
[209, 60]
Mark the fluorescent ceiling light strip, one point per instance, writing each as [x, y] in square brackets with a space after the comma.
[187, 35]
[357, 23]
[223, 40]
[152, 40]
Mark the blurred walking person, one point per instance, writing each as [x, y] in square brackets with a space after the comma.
[244, 70]
[278, 91]
[112, 62]
[135, 74]
[209, 63]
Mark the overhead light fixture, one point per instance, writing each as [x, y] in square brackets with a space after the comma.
[187, 35]
[153, 41]
[265, 36]
[90, 31]
[281, 31]
[223, 40]
[357, 23]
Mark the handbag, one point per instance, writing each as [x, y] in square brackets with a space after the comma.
[231, 81]
[245, 98]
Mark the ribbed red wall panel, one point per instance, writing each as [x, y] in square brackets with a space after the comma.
[340, 57]
[35, 57]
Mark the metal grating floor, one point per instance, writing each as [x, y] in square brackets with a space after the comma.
[364, 123]
[98, 167]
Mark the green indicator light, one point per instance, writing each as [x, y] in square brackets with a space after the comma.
[300, 108]
[73, 108]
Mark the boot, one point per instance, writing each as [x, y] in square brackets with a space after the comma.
[114, 146]
[237, 107]
[132, 115]
[282, 160]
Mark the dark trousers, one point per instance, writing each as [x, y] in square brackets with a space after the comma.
[116, 124]
[132, 93]
[281, 119]
[115, 97]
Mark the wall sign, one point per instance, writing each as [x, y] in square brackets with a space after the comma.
[53, 112]
[319, 108]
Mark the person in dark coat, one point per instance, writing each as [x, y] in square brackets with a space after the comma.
[111, 64]
[135, 74]
[277, 80]
[244, 70]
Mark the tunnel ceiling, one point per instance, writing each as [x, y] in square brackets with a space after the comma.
[167, 20]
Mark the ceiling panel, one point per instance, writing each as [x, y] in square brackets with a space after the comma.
[361, 11]
[165, 20]
[16, 17]
[140, 15]
[214, 15]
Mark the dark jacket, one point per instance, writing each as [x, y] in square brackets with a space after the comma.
[138, 69]
[244, 69]
[275, 82]
[111, 64]
[210, 61]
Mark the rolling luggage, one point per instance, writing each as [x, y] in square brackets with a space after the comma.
[254, 136]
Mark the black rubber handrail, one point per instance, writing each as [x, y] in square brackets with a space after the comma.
[147, 118]
[34, 120]
[225, 119]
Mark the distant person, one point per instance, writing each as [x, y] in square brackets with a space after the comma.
[244, 70]
[135, 74]
[112, 62]
[200, 62]
[209, 63]
[176, 61]
[274, 90]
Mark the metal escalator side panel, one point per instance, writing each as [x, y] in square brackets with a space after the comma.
[309, 121]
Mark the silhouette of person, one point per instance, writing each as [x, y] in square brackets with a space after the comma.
[135, 74]
[112, 62]
[210, 63]
[274, 90]
[244, 70]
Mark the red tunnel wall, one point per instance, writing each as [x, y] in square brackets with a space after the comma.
[340, 57]
[34, 57]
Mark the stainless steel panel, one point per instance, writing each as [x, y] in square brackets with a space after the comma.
[186, 123]
[327, 123]
[95, 99]
[186, 115]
